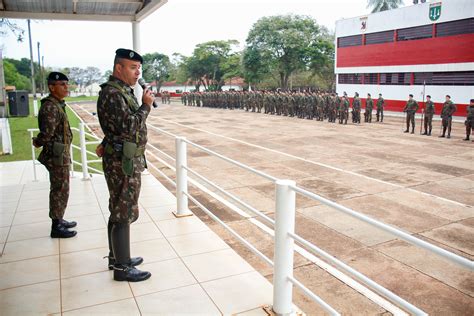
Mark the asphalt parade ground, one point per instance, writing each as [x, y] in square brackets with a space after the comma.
[422, 185]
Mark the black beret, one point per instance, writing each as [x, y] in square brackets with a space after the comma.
[369, 94]
[472, 100]
[128, 54]
[428, 96]
[448, 96]
[410, 95]
[57, 76]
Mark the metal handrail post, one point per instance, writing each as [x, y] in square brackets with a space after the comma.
[181, 179]
[33, 156]
[284, 248]
[71, 150]
[82, 138]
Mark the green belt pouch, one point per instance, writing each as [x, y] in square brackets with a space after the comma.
[129, 150]
[58, 153]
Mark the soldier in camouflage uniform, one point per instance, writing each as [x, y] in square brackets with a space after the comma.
[380, 105]
[410, 108]
[469, 123]
[369, 106]
[344, 113]
[356, 106]
[123, 122]
[429, 112]
[55, 137]
[447, 116]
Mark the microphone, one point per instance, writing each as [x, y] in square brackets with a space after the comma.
[142, 84]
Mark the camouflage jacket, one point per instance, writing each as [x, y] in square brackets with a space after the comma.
[369, 104]
[54, 127]
[380, 103]
[448, 109]
[429, 108]
[411, 106]
[470, 113]
[120, 116]
[356, 104]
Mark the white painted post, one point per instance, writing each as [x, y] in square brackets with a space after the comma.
[71, 150]
[284, 247]
[33, 157]
[181, 179]
[82, 138]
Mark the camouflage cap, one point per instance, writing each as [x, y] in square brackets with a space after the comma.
[128, 54]
[57, 76]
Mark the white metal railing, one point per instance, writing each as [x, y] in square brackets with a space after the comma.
[283, 224]
[285, 236]
[84, 162]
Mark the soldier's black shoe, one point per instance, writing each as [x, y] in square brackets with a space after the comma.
[441, 136]
[467, 138]
[412, 132]
[406, 131]
[68, 224]
[449, 136]
[130, 274]
[425, 133]
[135, 261]
[60, 231]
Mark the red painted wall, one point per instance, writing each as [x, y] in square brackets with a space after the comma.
[438, 50]
[397, 106]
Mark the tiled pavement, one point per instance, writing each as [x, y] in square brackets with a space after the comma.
[194, 271]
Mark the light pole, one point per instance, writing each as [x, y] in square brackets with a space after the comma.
[40, 72]
[35, 102]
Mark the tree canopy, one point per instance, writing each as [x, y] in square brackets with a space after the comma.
[157, 67]
[383, 5]
[283, 45]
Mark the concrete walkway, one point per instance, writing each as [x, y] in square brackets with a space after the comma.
[193, 270]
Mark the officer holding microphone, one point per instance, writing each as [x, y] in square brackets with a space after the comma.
[123, 121]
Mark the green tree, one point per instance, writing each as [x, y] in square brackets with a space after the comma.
[211, 62]
[14, 78]
[285, 44]
[383, 5]
[156, 67]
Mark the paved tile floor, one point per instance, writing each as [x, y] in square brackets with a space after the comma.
[194, 271]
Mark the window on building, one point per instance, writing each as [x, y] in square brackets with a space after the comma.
[423, 78]
[395, 78]
[414, 33]
[458, 78]
[465, 26]
[370, 78]
[349, 78]
[348, 41]
[379, 37]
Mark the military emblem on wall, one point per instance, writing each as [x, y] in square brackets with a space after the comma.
[435, 11]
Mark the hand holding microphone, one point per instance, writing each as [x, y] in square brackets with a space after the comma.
[148, 96]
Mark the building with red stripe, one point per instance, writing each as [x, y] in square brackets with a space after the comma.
[421, 49]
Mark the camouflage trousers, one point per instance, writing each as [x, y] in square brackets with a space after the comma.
[410, 119]
[379, 114]
[123, 190]
[428, 122]
[58, 191]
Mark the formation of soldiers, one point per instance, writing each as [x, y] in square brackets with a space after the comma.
[304, 105]
[322, 105]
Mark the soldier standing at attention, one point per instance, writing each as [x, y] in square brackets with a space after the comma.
[356, 108]
[410, 108]
[123, 122]
[55, 137]
[469, 123]
[380, 104]
[344, 114]
[429, 112]
[447, 116]
[369, 105]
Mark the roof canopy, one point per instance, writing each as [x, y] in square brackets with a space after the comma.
[85, 10]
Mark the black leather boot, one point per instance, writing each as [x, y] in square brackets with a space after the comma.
[68, 224]
[123, 271]
[444, 132]
[58, 230]
[135, 261]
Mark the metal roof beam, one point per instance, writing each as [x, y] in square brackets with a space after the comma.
[66, 16]
[151, 7]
